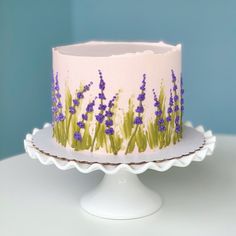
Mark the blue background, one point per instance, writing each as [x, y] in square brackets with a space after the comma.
[29, 29]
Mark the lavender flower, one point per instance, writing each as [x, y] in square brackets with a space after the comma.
[139, 109]
[77, 136]
[80, 95]
[101, 96]
[158, 113]
[162, 128]
[178, 128]
[176, 98]
[58, 95]
[75, 102]
[84, 116]
[109, 122]
[173, 76]
[89, 108]
[72, 110]
[100, 117]
[177, 120]
[102, 107]
[60, 117]
[81, 124]
[54, 109]
[168, 118]
[109, 131]
[56, 103]
[140, 98]
[176, 108]
[169, 110]
[138, 120]
[161, 121]
[59, 105]
[109, 113]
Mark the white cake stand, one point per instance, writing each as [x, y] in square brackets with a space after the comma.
[120, 194]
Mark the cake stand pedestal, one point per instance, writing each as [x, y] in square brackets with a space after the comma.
[120, 194]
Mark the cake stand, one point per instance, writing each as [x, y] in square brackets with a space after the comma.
[120, 194]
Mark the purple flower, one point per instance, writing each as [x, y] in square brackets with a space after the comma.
[141, 97]
[175, 87]
[176, 97]
[176, 108]
[101, 96]
[182, 101]
[169, 110]
[87, 87]
[156, 104]
[100, 117]
[182, 108]
[54, 99]
[158, 113]
[80, 95]
[139, 109]
[90, 106]
[168, 118]
[75, 102]
[162, 128]
[54, 109]
[109, 113]
[177, 120]
[60, 117]
[81, 124]
[138, 120]
[110, 104]
[102, 84]
[173, 76]
[182, 91]
[59, 105]
[109, 131]
[58, 95]
[102, 107]
[57, 87]
[77, 136]
[109, 123]
[161, 121]
[178, 129]
[72, 110]
[84, 116]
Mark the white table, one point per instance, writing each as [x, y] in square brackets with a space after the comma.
[43, 200]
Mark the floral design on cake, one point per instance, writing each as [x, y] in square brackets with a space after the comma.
[95, 128]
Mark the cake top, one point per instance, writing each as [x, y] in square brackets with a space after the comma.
[116, 49]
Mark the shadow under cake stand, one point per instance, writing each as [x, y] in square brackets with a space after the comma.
[120, 194]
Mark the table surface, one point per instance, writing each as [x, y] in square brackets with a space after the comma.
[43, 200]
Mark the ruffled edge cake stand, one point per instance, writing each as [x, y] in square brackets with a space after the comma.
[120, 194]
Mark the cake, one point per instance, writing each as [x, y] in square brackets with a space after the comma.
[117, 97]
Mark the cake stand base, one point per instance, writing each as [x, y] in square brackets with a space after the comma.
[121, 196]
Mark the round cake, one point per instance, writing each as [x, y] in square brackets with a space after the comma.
[117, 97]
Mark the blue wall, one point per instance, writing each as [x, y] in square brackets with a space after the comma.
[28, 29]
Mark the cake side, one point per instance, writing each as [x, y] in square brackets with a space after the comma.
[121, 97]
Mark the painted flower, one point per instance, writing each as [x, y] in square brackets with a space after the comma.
[138, 120]
[141, 97]
[109, 131]
[77, 136]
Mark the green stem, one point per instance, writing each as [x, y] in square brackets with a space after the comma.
[131, 139]
[113, 145]
[68, 127]
[95, 136]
